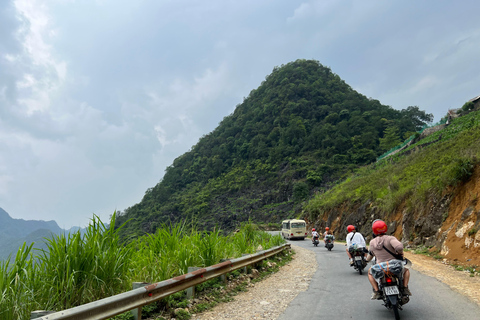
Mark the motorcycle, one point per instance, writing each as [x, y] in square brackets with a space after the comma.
[315, 241]
[359, 260]
[390, 282]
[329, 242]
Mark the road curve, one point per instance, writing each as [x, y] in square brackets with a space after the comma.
[336, 291]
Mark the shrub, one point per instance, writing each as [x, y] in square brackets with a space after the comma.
[472, 232]
[462, 170]
[468, 106]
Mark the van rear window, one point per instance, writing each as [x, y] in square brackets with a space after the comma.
[298, 224]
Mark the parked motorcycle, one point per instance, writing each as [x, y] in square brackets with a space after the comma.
[359, 260]
[390, 282]
[329, 242]
[315, 241]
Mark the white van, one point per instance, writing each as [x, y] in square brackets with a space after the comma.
[294, 229]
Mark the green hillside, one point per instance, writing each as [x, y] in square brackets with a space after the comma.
[427, 193]
[444, 158]
[300, 131]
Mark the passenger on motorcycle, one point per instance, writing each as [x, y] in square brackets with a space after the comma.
[354, 240]
[314, 234]
[379, 247]
[327, 233]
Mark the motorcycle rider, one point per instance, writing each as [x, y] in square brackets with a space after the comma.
[379, 247]
[314, 235]
[327, 232]
[354, 237]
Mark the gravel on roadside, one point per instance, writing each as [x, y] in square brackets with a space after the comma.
[268, 298]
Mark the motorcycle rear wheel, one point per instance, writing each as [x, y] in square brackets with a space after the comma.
[396, 312]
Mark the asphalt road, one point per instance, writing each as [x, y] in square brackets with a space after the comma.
[337, 291]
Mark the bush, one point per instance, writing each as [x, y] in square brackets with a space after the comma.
[462, 170]
[300, 191]
[468, 106]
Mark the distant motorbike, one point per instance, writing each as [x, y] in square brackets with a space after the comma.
[315, 241]
[329, 242]
[390, 282]
[359, 260]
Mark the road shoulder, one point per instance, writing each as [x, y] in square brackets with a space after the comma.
[459, 281]
[268, 298]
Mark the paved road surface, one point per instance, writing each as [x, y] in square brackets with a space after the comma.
[338, 292]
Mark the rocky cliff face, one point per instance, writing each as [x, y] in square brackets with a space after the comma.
[450, 224]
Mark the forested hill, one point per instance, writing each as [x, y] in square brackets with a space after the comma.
[298, 132]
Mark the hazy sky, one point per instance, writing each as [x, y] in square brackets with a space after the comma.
[98, 97]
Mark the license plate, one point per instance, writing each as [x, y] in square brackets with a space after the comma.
[358, 258]
[389, 291]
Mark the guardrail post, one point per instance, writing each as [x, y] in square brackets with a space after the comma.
[40, 313]
[223, 277]
[245, 268]
[191, 290]
[137, 313]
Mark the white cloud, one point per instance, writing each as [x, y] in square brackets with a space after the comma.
[98, 97]
[40, 73]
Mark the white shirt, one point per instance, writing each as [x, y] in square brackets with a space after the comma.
[315, 234]
[357, 238]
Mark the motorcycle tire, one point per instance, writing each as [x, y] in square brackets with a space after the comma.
[359, 267]
[396, 312]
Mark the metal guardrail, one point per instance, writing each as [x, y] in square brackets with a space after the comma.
[123, 302]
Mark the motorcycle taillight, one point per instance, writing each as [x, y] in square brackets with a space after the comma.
[388, 280]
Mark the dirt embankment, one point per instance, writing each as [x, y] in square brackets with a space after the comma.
[449, 225]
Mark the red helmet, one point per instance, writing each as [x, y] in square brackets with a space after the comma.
[327, 228]
[379, 227]
[350, 228]
[313, 229]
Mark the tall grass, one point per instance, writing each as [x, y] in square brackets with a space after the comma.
[17, 285]
[79, 268]
[172, 249]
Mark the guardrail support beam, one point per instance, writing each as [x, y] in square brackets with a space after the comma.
[137, 313]
[191, 290]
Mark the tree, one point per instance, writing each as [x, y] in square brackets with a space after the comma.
[391, 138]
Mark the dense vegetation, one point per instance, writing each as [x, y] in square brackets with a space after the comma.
[444, 158]
[297, 133]
[80, 268]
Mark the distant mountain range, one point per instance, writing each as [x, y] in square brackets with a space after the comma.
[14, 232]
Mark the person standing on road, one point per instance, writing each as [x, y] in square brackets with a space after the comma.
[354, 240]
[385, 248]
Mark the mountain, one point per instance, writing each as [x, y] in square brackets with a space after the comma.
[295, 135]
[21, 228]
[14, 232]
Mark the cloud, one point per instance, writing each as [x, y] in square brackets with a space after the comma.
[98, 97]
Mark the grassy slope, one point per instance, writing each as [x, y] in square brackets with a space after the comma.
[416, 176]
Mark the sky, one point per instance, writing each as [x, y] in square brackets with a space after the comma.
[98, 97]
